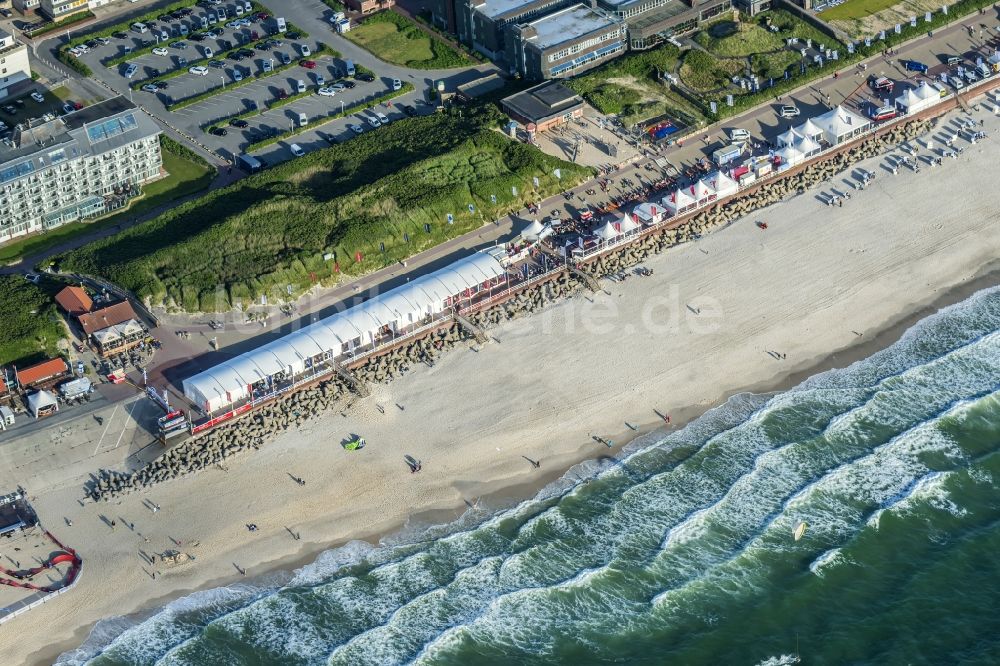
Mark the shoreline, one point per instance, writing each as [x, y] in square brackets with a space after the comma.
[508, 495]
[583, 365]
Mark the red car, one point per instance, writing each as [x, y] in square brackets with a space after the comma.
[282, 94]
[308, 64]
[263, 16]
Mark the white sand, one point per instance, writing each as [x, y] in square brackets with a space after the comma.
[799, 288]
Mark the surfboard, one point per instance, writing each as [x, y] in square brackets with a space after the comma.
[799, 529]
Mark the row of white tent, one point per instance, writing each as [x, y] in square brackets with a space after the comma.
[230, 382]
[915, 100]
[708, 189]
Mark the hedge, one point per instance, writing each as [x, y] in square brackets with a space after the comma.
[333, 115]
[212, 92]
[179, 149]
[69, 20]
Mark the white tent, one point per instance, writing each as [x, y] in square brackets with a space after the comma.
[42, 403]
[809, 129]
[678, 202]
[790, 155]
[788, 138]
[341, 333]
[915, 100]
[701, 192]
[627, 225]
[608, 232]
[533, 231]
[723, 184]
[807, 146]
[839, 125]
[649, 212]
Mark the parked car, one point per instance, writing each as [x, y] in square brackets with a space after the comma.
[237, 74]
[347, 83]
[408, 110]
[284, 58]
[160, 51]
[880, 84]
[396, 84]
[130, 71]
[239, 122]
[373, 121]
[282, 93]
[326, 92]
[296, 150]
[914, 66]
[303, 49]
[161, 85]
[179, 45]
[219, 131]
[150, 88]
[303, 119]
[320, 80]
[267, 65]
[199, 69]
[368, 78]
[789, 111]
[308, 64]
[300, 86]
[357, 129]
[37, 96]
[382, 118]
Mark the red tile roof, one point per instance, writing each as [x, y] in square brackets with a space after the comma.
[109, 316]
[74, 300]
[44, 370]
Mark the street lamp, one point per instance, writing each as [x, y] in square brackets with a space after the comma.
[341, 107]
[222, 77]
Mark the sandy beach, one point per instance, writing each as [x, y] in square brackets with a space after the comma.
[742, 309]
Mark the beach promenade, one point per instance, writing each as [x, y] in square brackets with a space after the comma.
[741, 309]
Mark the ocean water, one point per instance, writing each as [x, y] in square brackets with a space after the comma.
[680, 549]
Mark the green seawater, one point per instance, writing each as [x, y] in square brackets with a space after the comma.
[679, 550]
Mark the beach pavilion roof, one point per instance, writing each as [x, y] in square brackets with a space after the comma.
[229, 381]
[677, 200]
[807, 145]
[40, 400]
[627, 225]
[701, 190]
[791, 155]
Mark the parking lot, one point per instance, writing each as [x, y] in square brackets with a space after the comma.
[171, 69]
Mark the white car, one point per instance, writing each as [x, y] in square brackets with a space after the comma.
[339, 86]
[296, 150]
[237, 74]
[382, 118]
[38, 97]
[326, 92]
[199, 69]
[320, 80]
[160, 51]
[396, 84]
[305, 50]
[373, 121]
[789, 111]
[357, 129]
[150, 88]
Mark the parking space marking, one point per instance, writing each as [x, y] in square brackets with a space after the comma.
[110, 419]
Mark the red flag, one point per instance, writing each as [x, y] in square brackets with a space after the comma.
[654, 210]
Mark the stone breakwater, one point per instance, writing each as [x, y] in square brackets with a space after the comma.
[767, 194]
[293, 410]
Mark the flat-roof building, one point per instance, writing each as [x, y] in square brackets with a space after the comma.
[565, 43]
[650, 22]
[485, 25]
[544, 106]
[14, 65]
[80, 165]
[59, 9]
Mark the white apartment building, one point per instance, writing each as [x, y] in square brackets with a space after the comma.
[78, 166]
[58, 9]
[14, 66]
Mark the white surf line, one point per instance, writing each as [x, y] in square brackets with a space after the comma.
[125, 425]
[110, 419]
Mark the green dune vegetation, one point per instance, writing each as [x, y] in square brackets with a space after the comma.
[334, 213]
[31, 326]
